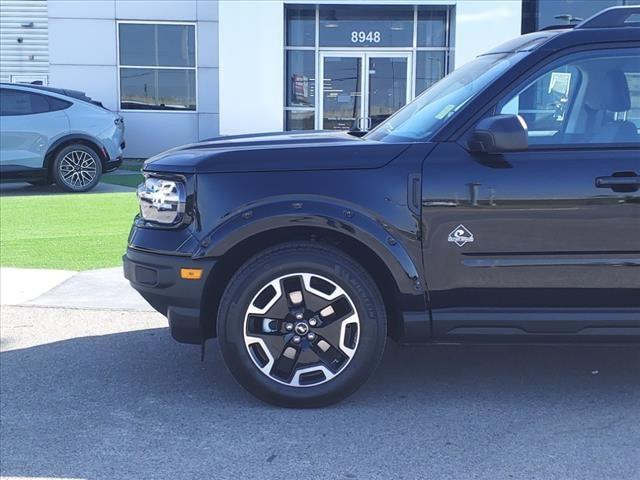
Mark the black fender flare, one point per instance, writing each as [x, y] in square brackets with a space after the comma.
[346, 219]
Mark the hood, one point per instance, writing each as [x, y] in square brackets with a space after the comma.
[272, 152]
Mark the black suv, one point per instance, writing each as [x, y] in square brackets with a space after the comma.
[501, 205]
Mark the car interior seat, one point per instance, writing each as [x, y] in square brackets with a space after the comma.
[608, 95]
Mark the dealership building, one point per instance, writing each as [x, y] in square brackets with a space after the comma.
[185, 70]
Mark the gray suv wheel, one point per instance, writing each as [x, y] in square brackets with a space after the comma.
[77, 168]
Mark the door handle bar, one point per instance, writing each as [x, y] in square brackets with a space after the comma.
[607, 182]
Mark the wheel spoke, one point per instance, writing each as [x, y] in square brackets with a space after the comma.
[286, 363]
[335, 311]
[294, 294]
[329, 355]
[86, 176]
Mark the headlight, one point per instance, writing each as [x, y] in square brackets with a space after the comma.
[162, 200]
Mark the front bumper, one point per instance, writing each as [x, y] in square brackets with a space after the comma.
[157, 278]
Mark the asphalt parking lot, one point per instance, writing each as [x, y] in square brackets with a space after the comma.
[107, 395]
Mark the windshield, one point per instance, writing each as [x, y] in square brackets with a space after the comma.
[423, 117]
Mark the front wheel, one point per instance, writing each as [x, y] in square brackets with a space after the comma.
[77, 168]
[302, 325]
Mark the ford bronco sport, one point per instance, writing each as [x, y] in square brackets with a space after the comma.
[502, 205]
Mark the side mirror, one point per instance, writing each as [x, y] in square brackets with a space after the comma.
[498, 134]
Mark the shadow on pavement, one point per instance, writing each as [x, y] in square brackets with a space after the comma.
[19, 189]
[137, 405]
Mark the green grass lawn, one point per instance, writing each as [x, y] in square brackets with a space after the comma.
[70, 232]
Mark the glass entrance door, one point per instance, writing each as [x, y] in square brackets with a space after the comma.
[360, 90]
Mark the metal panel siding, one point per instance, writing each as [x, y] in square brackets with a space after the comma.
[31, 55]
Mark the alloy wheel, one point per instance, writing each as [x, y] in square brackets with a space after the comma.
[78, 169]
[301, 330]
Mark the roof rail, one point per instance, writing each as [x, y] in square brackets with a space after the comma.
[611, 18]
[556, 27]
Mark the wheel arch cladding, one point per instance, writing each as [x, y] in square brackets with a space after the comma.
[362, 253]
[73, 140]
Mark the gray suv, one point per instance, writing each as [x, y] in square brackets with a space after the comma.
[50, 135]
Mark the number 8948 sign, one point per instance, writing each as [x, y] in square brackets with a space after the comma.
[365, 37]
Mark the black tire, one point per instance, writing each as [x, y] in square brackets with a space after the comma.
[77, 168]
[322, 262]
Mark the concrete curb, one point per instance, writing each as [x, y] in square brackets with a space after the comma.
[103, 289]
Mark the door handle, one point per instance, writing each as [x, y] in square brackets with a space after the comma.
[622, 181]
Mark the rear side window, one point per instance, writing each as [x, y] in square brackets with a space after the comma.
[19, 102]
[57, 104]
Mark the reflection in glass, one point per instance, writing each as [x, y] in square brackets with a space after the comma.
[301, 78]
[300, 120]
[366, 26]
[301, 26]
[157, 45]
[430, 67]
[157, 89]
[432, 27]
[387, 87]
[342, 91]
[137, 44]
[562, 12]
[176, 46]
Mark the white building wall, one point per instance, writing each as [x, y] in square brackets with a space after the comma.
[24, 52]
[251, 66]
[252, 51]
[83, 56]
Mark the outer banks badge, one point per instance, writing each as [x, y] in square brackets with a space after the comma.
[460, 235]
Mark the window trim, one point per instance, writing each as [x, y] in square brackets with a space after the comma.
[151, 67]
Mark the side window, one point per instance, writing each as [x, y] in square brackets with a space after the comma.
[56, 104]
[633, 80]
[544, 104]
[587, 98]
[19, 102]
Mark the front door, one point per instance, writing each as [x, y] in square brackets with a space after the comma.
[360, 90]
[547, 240]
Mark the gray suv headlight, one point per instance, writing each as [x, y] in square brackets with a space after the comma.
[162, 200]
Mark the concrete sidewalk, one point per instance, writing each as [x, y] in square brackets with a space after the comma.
[104, 289]
[19, 285]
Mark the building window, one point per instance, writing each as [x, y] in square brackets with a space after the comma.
[366, 25]
[157, 64]
[393, 52]
[432, 27]
[301, 26]
[300, 67]
[431, 66]
[538, 14]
